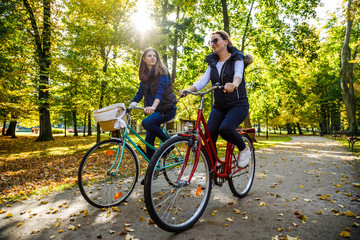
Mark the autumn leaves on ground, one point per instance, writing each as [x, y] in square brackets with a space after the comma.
[28, 167]
[307, 188]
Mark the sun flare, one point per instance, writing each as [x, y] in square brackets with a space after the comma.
[141, 18]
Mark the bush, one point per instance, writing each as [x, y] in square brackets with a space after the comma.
[57, 131]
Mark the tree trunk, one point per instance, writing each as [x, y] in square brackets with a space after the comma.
[247, 122]
[89, 124]
[164, 31]
[102, 92]
[65, 122]
[294, 128]
[84, 124]
[299, 128]
[11, 131]
[348, 94]
[74, 113]
[173, 74]
[267, 127]
[3, 129]
[225, 16]
[43, 46]
[288, 128]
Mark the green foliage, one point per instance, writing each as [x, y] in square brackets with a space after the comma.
[96, 51]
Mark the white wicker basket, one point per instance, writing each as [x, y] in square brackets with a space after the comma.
[111, 118]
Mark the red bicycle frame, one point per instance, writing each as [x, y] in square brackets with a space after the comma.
[204, 139]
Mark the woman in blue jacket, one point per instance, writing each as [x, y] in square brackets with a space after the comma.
[159, 98]
[226, 67]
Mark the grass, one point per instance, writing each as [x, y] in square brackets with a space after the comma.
[30, 168]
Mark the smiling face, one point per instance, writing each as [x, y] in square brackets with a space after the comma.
[150, 59]
[218, 44]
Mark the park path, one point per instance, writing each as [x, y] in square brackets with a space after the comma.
[305, 188]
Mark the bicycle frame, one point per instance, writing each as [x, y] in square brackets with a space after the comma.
[127, 138]
[207, 143]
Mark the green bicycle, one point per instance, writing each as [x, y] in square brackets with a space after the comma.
[110, 169]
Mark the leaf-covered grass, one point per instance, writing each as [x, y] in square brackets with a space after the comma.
[260, 142]
[28, 167]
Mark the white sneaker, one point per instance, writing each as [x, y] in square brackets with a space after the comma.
[244, 157]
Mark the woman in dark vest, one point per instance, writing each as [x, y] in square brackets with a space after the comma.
[226, 68]
[159, 98]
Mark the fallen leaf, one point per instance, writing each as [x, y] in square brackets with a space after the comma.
[344, 234]
[71, 227]
[129, 229]
[355, 224]
[229, 219]
[9, 215]
[237, 211]
[19, 224]
[350, 214]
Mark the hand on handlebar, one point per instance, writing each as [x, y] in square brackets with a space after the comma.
[229, 87]
[132, 105]
[149, 110]
[183, 93]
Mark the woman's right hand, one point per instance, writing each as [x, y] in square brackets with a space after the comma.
[181, 93]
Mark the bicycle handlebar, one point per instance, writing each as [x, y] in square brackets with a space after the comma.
[201, 93]
[128, 110]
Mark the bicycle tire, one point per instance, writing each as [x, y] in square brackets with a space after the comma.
[100, 183]
[174, 204]
[240, 182]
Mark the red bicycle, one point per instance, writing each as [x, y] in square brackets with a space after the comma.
[181, 173]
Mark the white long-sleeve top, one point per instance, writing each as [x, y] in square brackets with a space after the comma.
[203, 81]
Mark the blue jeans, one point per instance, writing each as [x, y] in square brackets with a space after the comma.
[225, 121]
[152, 126]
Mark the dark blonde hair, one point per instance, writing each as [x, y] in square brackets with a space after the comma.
[144, 72]
[225, 36]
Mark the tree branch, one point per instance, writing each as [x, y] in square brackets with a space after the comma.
[34, 26]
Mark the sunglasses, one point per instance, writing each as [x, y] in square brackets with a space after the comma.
[214, 41]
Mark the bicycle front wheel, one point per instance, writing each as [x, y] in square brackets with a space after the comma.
[177, 188]
[108, 173]
[241, 180]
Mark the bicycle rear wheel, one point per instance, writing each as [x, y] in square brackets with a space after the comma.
[105, 178]
[242, 179]
[176, 193]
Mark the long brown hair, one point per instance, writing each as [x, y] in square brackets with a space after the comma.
[144, 72]
[225, 36]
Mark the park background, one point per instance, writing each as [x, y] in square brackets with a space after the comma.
[61, 60]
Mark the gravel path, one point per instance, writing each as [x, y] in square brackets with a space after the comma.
[305, 188]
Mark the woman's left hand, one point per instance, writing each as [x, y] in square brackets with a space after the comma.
[149, 110]
[230, 87]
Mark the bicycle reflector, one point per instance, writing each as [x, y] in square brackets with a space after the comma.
[118, 195]
[198, 191]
